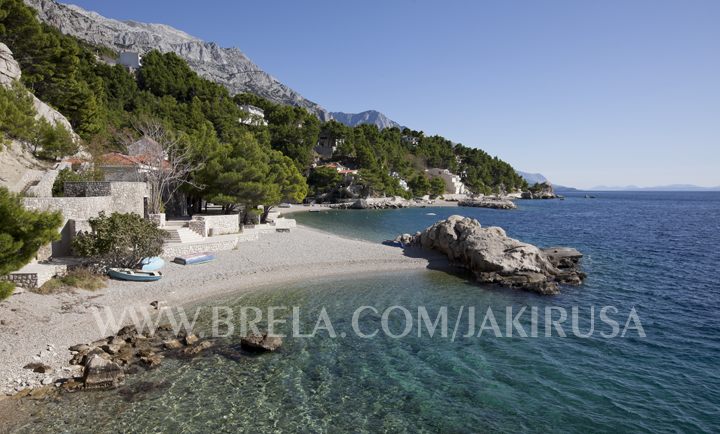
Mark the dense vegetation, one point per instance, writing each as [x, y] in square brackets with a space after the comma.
[238, 163]
[22, 233]
[17, 121]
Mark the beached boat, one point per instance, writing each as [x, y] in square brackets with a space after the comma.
[134, 275]
[152, 264]
[393, 243]
[199, 258]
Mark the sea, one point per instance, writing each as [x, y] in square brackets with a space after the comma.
[636, 348]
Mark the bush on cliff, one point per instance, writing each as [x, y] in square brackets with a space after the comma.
[23, 232]
[119, 240]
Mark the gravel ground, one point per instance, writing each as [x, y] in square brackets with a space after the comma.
[40, 328]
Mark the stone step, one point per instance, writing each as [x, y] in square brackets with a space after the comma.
[182, 235]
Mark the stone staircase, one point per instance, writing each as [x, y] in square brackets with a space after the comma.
[181, 234]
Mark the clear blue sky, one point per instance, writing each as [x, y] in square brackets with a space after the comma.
[610, 92]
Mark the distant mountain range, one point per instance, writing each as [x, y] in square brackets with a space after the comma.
[532, 178]
[536, 178]
[367, 117]
[229, 67]
[671, 187]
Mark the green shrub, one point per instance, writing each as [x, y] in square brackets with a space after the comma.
[53, 141]
[23, 231]
[17, 114]
[6, 289]
[119, 240]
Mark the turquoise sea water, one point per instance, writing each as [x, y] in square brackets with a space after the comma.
[654, 252]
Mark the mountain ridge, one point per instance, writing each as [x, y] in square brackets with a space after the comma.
[372, 117]
[229, 67]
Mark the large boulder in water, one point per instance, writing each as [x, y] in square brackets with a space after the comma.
[100, 373]
[496, 258]
[261, 342]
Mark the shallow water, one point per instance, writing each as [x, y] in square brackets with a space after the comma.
[655, 252]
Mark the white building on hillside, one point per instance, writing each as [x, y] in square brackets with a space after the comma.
[130, 59]
[256, 115]
[453, 183]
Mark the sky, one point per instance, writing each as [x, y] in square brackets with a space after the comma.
[612, 92]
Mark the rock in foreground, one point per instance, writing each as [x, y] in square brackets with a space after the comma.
[496, 258]
[258, 342]
[101, 373]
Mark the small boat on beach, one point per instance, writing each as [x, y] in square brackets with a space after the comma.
[199, 258]
[393, 243]
[134, 275]
[151, 264]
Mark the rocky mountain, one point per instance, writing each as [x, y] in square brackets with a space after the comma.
[367, 117]
[226, 66]
[532, 178]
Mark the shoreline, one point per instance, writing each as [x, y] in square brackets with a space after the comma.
[295, 208]
[40, 328]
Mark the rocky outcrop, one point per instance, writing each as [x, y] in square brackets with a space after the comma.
[9, 68]
[10, 72]
[226, 66]
[540, 191]
[488, 202]
[371, 117]
[493, 257]
[106, 362]
[261, 342]
[396, 202]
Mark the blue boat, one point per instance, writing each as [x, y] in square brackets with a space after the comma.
[134, 275]
[393, 243]
[152, 264]
[199, 258]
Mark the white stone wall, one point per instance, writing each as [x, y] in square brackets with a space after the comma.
[219, 224]
[177, 249]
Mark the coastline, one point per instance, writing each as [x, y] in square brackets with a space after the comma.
[294, 208]
[40, 328]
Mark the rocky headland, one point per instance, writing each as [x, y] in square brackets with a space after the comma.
[540, 191]
[381, 203]
[493, 257]
[488, 202]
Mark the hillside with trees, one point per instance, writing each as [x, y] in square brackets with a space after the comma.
[236, 163]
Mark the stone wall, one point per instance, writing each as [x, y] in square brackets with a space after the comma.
[221, 224]
[121, 173]
[126, 197]
[87, 189]
[22, 280]
[226, 243]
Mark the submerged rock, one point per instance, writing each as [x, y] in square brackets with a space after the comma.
[258, 342]
[493, 257]
[100, 373]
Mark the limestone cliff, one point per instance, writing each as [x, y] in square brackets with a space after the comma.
[21, 171]
[226, 66]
